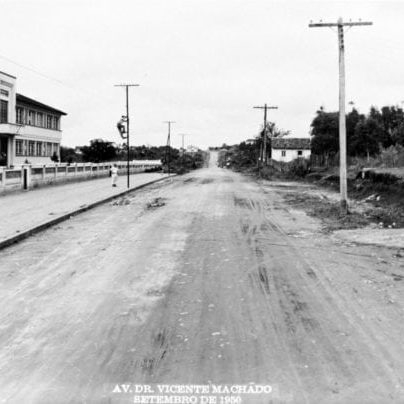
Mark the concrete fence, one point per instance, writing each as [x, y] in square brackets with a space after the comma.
[30, 176]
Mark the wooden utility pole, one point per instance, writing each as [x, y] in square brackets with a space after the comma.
[168, 151]
[263, 154]
[127, 127]
[183, 135]
[342, 119]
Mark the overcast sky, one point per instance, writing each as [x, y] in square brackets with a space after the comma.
[201, 63]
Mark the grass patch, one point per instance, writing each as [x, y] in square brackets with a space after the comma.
[329, 212]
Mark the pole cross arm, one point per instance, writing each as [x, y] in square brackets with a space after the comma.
[339, 24]
[266, 107]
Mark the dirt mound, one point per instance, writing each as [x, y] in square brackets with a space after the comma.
[121, 202]
[156, 203]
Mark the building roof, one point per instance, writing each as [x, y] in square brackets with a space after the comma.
[9, 75]
[295, 143]
[25, 100]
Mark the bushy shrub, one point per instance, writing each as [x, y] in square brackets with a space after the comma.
[299, 167]
[383, 178]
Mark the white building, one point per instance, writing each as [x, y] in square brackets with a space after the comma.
[290, 148]
[29, 130]
[192, 149]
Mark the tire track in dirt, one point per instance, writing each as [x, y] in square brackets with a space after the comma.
[297, 309]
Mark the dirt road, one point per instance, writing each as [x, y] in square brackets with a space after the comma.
[207, 278]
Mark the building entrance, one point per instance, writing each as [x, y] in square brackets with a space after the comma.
[3, 151]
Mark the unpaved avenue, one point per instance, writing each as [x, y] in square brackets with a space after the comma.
[222, 284]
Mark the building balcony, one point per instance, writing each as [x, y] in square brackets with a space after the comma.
[28, 131]
[9, 128]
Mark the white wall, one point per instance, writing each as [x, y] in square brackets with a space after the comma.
[41, 175]
[289, 155]
[8, 83]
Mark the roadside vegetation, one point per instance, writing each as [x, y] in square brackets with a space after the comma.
[375, 157]
[103, 151]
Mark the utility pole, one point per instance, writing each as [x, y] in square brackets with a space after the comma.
[183, 135]
[168, 151]
[182, 148]
[342, 119]
[263, 156]
[127, 126]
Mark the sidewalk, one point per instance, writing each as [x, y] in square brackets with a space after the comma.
[24, 213]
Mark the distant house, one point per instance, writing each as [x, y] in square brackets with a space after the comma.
[29, 130]
[290, 148]
[192, 149]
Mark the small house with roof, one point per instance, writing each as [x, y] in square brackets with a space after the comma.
[286, 149]
[30, 131]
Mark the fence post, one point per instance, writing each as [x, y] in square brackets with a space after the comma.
[22, 177]
[25, 177]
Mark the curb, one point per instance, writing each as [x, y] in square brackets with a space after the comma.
[41, 227]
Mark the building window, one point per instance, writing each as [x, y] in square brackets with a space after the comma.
[3, 111]
[31, 118]
[25, 148]
[4, 92]
[38, 149]
[49, 121]
[300, 152]
[283, 153]
[49, 149]
[31, 148]
[19, 148]
[55, 123]
[19, 115]
[39, 119]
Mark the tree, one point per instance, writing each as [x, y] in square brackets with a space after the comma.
[69, 155]
[389, 119]
[365, 139]
[99, 151]
[324, 131]
[271, 131]
[366, 135]
[55, 157]
[352, 120]
[398, 134]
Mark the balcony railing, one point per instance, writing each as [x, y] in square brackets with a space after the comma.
[10, 128]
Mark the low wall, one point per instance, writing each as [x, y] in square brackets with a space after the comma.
[32, 176]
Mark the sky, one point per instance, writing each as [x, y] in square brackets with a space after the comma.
[201, 63]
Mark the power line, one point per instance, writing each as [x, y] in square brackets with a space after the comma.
[32, 70]
[342, 119]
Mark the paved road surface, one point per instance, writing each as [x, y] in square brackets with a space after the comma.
[223, 283]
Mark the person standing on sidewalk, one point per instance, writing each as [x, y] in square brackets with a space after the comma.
[114, 175]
